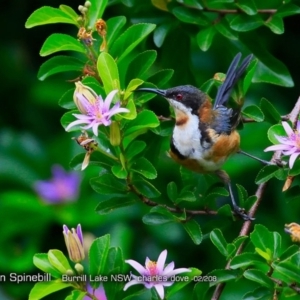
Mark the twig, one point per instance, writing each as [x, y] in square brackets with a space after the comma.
[293, 117]
[237, 11]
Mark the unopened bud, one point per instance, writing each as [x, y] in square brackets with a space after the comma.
[115, 136]
[82, 94]
[87, 4]
[70, 272]
[79, 268]
[84, 10]
[80, 7]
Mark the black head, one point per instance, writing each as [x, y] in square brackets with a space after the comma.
[183, 97]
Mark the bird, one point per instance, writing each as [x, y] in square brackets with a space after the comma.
[205, 135]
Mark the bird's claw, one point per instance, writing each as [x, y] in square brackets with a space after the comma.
[242, 213]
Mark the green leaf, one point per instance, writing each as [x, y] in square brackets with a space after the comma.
[223, 276]
[132, 111]
[187, 196]
[59, 64]
[108, 72]
[270, 112]
[135, 148]
[161, 32]
[261, 293]
[141, 63]
[225, 210]
[267, 241]
[58, 260]
[205, 37]
[242, 192]
[259, 277]
[132, 86]
[146, 188]
[144, 167]
[249, 76]
[263, 254]
[172, 191]
[161, 77]
[76, 295]
[248, 6]
[244, 260]
[217, 238]
[48, 15]
[200, 290]
[61, 42]
[108, 206]
[42, 289]
[69, 11]
[194, 231]
[276, 130]
[275, 23]
[265, 174]
[189, 15]
[254, 112]
[119, 171]
[42, 262]
[130, 39]
[289, 267]
[295, 169]
[224, 28]
[157, 219]
[292, 193]
[114, 25]
[287, 9]
[145, 119]
[98, 257]
[244, 23]
[107, 184]
[239, 241]
[96, 11]
[67, 118]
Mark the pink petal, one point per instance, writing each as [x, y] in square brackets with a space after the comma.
[108, 100]
[160, 290]
[291, 151]
[298, 126]
[284, 140]
[95, 129]
[130, 283]
[161, 261]
[74, 123]
[293, 159]
[137, 266]
[168, 268]
[277, 147]
[287, 128]
[178, 271]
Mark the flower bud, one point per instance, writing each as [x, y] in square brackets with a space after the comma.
[81, 93]
[80, 7]
[79, 268]
[88, 4]
[70, 272]
[115, 136]
[74, 243]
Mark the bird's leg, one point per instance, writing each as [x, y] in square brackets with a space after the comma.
[238, 210]
[278, 163]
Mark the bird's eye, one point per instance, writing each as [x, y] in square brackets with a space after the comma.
[179, 97]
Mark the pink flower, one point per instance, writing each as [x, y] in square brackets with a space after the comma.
[289, 145]
[154, 274]
[95, 111]
[99, 293]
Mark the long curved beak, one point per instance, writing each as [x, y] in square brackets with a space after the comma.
[154, 91]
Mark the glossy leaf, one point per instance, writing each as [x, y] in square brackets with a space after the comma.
[161, 77]
[144, 167]
[194, 231]
[157, 219]
[119, 171]
[249, 76]
[259, 277]
[59, 64]
[200, 291]
[265, 174]
[224, 28]
[242, 192]
[98, 257]
[244, 260]
[275, 24]
[276, 130]
[267, 241]
[132, 86]
[108, 71]
[223, 276]
[205, 37]
[160, 4]
[58, 260]
[130, 39]
[172, 191]
[76, 295]
[108, 206]
[189, 15]
[295, 169]
[61, 42]
[287, 9]
[160, 33]
[69, 11]
[48, 15]
[261, 293]
[187, 196]
[248, 6]
[244, 23]
[217, 238]
[114, 26]
[292, 193]
[42, 289]
[96, 11]
[254, 112]
[42, 262]
[107, 184]
[146, 188]
[269, 111]
[135, 148]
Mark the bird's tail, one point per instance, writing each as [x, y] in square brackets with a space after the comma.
[232, 76]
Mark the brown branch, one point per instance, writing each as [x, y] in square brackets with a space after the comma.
[238, 11]
[293, 117]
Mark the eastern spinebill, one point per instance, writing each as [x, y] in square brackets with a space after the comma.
[205, 134]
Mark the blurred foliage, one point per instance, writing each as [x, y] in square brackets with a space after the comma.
[163, 43]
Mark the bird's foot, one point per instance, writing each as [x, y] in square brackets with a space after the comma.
[242, 213]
